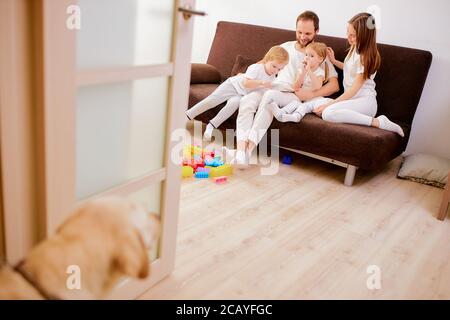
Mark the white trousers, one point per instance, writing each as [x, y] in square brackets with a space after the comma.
[264, 115]
[247, 109]
[359, 110]
[225, 92]
[296, 110]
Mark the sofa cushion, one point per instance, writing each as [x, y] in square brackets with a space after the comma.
[426, 169]
[204, 73]
[247, 40]
[198, 92]
[241, 64]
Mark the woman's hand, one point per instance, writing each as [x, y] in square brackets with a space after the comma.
[330, 54]
[321, 108]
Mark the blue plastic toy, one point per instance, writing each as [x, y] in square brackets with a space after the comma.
[287, 159]
[214, 163]
[202, 175]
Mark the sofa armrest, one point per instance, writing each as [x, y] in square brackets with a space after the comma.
[204, 73]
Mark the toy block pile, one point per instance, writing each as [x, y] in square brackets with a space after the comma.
[204, 164]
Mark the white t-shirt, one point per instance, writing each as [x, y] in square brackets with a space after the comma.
[353, 67]
[289, 72]
[254, 72]
[307, 82]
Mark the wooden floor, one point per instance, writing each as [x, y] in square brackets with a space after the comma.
[302, 234]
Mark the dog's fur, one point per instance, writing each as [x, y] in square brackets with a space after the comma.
[107, 239]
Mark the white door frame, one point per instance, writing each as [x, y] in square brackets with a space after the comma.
[55, 81]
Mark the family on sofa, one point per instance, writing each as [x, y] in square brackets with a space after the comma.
[306, 75]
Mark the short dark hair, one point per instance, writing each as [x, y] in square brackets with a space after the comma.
[309, 15]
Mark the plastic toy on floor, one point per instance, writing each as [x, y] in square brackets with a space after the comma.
[287, 159]
[204, 169]
[202, 175]
[187, 171]
[214, 162]
[223, 170]
[221, 180]
[203, 164]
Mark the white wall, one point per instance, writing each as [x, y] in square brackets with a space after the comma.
[411, 23]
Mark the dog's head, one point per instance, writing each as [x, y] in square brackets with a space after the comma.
[142, 237]
[135, 232]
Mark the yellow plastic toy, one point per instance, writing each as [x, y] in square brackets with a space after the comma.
[223, 170]
[187, 172]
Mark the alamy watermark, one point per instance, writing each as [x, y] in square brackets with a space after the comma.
[374, 280]
[374, 22]
[73, 21]
[73, 281]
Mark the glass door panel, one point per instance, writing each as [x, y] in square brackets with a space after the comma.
[120, 133]
[124, 33]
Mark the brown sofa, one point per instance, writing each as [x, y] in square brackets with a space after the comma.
[400, 82]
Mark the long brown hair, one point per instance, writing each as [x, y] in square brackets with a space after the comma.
[366, 42]
[321, 49]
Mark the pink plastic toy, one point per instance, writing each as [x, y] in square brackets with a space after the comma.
[221, 180]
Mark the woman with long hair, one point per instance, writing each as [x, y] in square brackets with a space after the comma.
[358, 103]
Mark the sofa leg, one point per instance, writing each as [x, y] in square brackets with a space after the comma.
[350, 175]
[445, 201]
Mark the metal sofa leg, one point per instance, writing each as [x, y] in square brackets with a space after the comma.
[350, 175]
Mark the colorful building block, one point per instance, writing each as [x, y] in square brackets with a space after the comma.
[287, 159]
[197, 151]
[221, 180]
[187, 171]
[213, 163]
[208, 154]
[223, 170]
[202, 175]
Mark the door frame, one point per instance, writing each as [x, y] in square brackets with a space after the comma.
[53, 80]
[17, 130]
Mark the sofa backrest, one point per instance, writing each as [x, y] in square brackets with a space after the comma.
[400, 80]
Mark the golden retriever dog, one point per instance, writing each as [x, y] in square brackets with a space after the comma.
[103, 240]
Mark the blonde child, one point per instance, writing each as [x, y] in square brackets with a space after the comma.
[258, 76]
[311, 76]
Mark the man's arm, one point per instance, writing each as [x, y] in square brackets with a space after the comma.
[331, 87]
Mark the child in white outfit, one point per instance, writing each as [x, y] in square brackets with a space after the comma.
[310, 77]
[258, 76]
